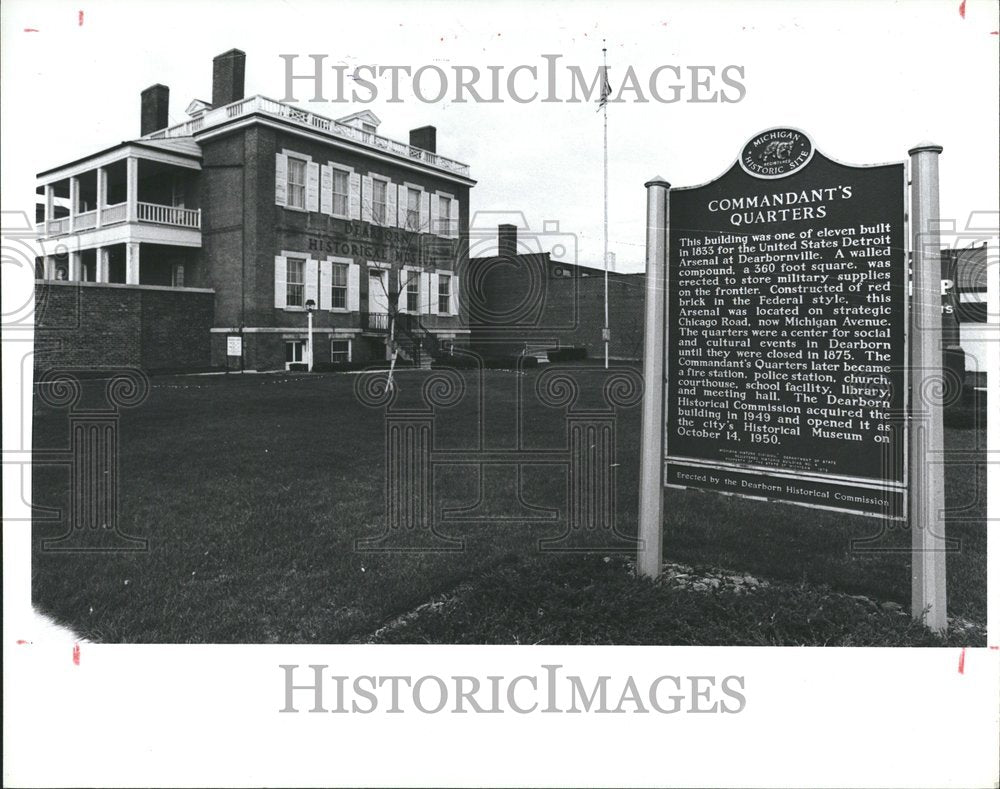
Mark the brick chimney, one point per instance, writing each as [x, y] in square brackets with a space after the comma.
[153, 115]
[228, 73]
[425, 137]
[507, 241]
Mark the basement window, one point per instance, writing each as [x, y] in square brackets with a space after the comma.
[340, 351]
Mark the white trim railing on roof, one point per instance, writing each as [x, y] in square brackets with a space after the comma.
[311, 120]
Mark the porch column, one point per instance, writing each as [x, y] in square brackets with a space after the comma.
[49, 204]
[75, 267]
[101, 265]
[74, 201]
[132, 263]
[102, 186]
[132, 189]
[49, 267]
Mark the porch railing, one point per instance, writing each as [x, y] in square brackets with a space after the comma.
[114, 213]
[58, 226]
[85, 221]
[152, 213]
[169, 215]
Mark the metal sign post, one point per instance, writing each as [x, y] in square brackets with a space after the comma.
[650, 558]
[927, 526]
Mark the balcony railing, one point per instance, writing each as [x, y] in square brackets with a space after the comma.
[151, 213]
[375, 321]
[85, 221]
[114, 213]
[169, 215]
[313, 121]
[57, 227]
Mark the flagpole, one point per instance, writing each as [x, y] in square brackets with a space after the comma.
[607, 336]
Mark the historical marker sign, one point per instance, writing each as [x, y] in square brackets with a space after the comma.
[786, 327]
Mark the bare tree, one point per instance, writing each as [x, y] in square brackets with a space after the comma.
[406, 243]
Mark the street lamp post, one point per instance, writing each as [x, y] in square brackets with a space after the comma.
[310, 306]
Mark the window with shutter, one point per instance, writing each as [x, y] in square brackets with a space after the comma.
[379, 203]
[338, 296]
[340, 192]
[412, 209]
[296, 193]
[444, 294]
[412, 292]
[295, 281]
[444, 217]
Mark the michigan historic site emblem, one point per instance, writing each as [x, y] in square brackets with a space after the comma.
[776, 153]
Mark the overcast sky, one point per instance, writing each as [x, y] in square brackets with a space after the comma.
[866, 80]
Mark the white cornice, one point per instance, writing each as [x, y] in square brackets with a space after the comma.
[116, 154]
[217, 131]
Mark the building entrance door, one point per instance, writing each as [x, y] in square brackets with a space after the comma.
[378, 299]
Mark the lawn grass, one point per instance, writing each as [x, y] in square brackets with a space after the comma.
[594, 600]
[252, 491]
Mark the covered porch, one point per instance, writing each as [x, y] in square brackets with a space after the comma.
[129, 185]
[130, 263]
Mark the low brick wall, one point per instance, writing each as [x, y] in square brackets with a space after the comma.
[91, 325]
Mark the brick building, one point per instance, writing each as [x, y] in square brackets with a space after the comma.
[523, 301]
[277, 213]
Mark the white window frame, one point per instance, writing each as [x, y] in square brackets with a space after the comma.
[386, 183]
[310, 279]
[413, 227]
[445, 276]
[335, 338]
[412, 281]
[346, 172]
[345, 265]
[176, 191]
[304, 161]
[444, 225]
[288, 284]
[303, 344]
